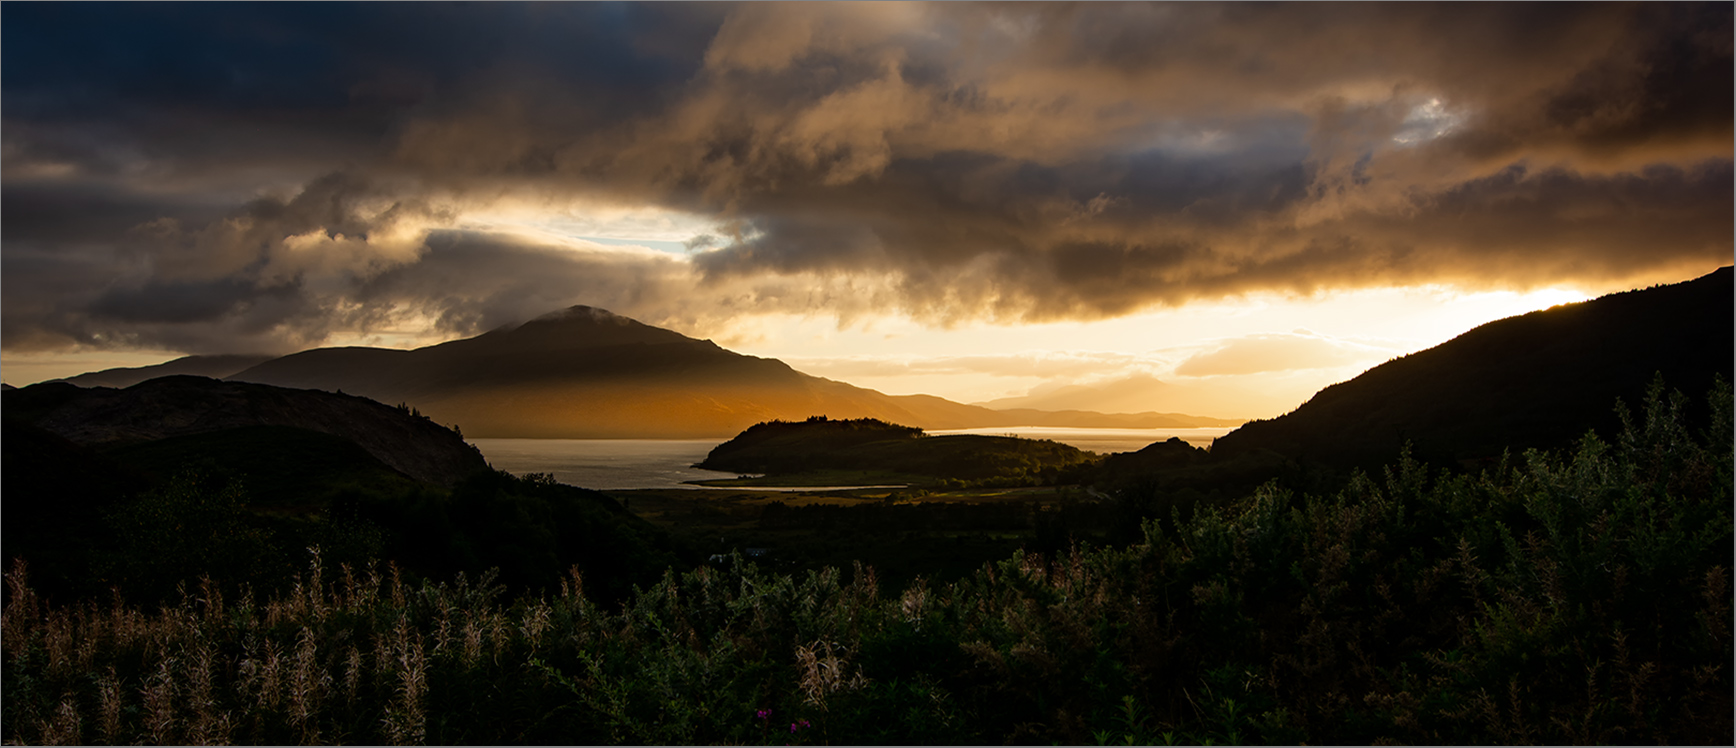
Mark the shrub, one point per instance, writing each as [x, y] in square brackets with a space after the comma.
[1571, 597]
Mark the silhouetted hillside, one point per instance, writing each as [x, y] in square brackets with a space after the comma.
[1173, 453]
[786, 446]
[1536, 380]
[587, 373]
[216, 367]
[151, 487]
[894, 452]
[182, 406]
[53, 490]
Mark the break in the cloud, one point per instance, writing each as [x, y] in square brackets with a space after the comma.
[217, 177]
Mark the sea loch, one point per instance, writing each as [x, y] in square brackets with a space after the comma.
[608, 464]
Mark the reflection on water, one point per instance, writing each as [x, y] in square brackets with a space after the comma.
[667, 463]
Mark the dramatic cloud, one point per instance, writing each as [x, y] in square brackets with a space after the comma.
[227, 177]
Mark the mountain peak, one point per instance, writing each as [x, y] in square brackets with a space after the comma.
[576, 326]
[580, 312]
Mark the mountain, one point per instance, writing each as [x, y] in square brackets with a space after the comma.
[1145, 394]
[587, 373]
[186, 406]
[1537, 380]
[216, 367]
[1126, 395]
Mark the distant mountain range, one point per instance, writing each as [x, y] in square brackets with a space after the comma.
[1533, 380]
[1121, 395]
[587, 373]
[216, 367]
[1536, 380]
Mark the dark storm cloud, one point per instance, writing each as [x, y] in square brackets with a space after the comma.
[471, 281]
[267, 173]
[1667, 83]
[177, 302]
[200, 92]
[61, 213]
[56, 301]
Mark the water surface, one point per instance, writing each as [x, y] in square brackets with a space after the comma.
[1102, 441]
[668, 463]
[605, 463]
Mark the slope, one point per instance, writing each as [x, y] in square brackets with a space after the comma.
[147, 489]
[1536, 380]
[183, 406]
[818, 445]
[215, 367]
[587, 373]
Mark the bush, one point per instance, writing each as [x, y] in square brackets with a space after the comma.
[1558, 598]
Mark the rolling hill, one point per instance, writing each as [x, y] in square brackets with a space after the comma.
[147, 488]
[889, 451]
[587, 373]
[179, 407]
[1536, 380]
[216, 367]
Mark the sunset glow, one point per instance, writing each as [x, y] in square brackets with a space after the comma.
[868, 373]
[1189, 208]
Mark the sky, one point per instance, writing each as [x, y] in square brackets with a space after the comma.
[1197, 208]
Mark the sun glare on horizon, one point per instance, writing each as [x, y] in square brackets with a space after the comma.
[919, 199]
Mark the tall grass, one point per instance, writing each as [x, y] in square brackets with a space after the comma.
[1580, 597]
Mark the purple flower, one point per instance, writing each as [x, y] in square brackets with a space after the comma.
[763, 714]
[792, 727]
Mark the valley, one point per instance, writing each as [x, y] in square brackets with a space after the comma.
[997, 558]
[861, 373]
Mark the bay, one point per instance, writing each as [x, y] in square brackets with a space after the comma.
[614, 464]
[605, 464]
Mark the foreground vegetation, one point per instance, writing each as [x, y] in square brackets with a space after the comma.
[1577, 597]
[941, 536]
[240, 505]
